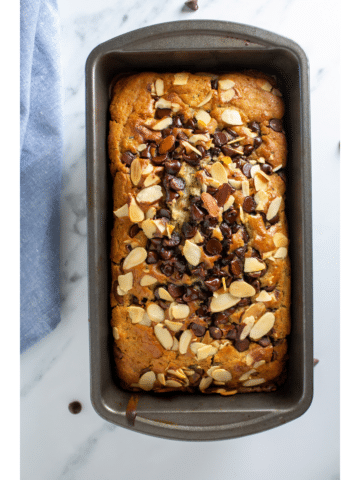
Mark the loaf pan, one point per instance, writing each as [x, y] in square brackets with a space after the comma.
[200, 46]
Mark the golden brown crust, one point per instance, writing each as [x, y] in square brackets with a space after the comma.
[200, 271]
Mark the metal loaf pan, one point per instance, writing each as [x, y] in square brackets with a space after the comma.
[216, 46]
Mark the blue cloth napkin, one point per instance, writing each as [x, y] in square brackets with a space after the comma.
[40, 169]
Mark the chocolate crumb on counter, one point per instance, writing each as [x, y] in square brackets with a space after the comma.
[316, 361]
[200, 272]
[75, 407]
[192, 5]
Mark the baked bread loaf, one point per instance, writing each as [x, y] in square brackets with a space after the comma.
[200, 272]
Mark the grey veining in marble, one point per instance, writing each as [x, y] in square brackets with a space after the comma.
[58, 445]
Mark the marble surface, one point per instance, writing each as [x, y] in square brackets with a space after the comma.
[58, 445]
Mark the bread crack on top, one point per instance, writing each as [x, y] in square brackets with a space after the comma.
[200, 270]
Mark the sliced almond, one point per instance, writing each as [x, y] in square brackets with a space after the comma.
[160, 225]
[249, 360]
[173, 383]
[161, 378]
[260, 198]
[197, 238]
[141, 147]
[241, 289]
[199, 137]
[184, 341]
[259, 363]
[223, 302]
[206, 99]
[253, 382]
[180, 310]
[126, 281]
[190, 147]
[135, 213]
[210, 204]
[281, 253]
[181, 78]
[252, 264]
[195, 346]
[205, 383]
[250, 321]
[245, 188]
[206, 351]
[159, 87]
[147, 280]
[152, 179]
[149, 227]
[237, 184]
[264, 296]
[228, 95]
[218, 173]
[273, 208]
[164, 336]
[242, 215]
[135, 171]
[151, 212]
[146, 320]
[260, 181]
[246, 375]
[146, 381]
[216, 233]
[116, 333]
[262, 326]
[163, 123]
[265, 85]
[162, 103]
[277, 168]
[280, 240]
[173, 326]
[149, 194]
[225, 84]
[203, 116]
[135, 257]
[169, 229]
[136, 314]
[175, 107]
[165, 295]
[192, 253]
[229, 202]
[221, 375]
[231, 117]
[122, 211]
[254, 170]
[175, 347]
[155, 312]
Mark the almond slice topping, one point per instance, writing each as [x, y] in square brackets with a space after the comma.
[206, 99]
[163, 123]
[155, 312]
[218, 172]
[241, 289]
[250, 321]
[226, 84]
[203, 116]
[181, 78]
[135, 213]
[149, 194]
[281, 253]
[135, 171]
[227, 95]
[165, 295]
[146, 320]
[146, 381]
[221, 375]
[136, 314]
[180, 310]
[280, 240]
[262, 326]
[205, 383]
[164, 336]
[147, 280]
[159, 87]
[210, 204]
[184, 341]
[252, 264]
[253, 382]
[192, 253]
[126, 281]
[273, 208]
[135, 257]
[223, 302]
[173, 326]
[162, 103]
[122, 211]
[116, 333]
[231, 117]
[264, 296]
[206, 351]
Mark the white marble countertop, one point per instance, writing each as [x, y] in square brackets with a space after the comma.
[58, 445]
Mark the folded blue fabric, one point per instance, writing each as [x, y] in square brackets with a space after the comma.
[40, 169]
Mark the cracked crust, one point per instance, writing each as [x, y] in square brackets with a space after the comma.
[201, 199]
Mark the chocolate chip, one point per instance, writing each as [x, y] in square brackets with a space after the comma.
[276, 125]
[269, 288]
[231, 334]
[274, 219]
[201, 149]
[176, 291]
[249, 205]
[232, 132]
[166, 269]
[194, 378]
[228, 151]
[119, 299]
[214, 83]
[134, 230]
[282, 175]
[75, 407]
[196, 213]
[152, 258]
[215, 152]
[240, 252]
[191, 123]
[220, 138]
[177, 122]
[146, 152]
[164, 213]
[246, 169]
[215, 332]
[202, 311]
[188, 230]
[213, 247]
[160, 159]
[225, 230]
[192, 159]
[248, 149]
[173, 241]
[264, 341]
[200, 271]
[256, 284]
[213, 284]
[230, 215]
[255, 127]
[166, 254]
[223, 194]
[162, 112]
[192, 4]
[199, 330]
[257, 142]
[170, 196]
[180, 265]
[242, 345]
[127, 158]
[316, 361]
[220, 318]
[236, 267]
[167, 145]
[266, 168]
[172, 166]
